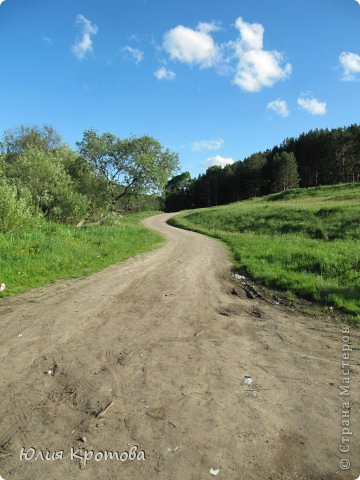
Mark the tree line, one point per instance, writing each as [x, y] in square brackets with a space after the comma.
[42, 177]
[319, 157]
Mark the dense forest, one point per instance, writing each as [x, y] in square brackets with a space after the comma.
[319, 157]
[42, 178]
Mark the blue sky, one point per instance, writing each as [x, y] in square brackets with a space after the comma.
[214, 80]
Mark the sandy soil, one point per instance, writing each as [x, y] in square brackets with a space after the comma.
[163, 343]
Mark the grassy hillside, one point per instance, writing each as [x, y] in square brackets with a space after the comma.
[49, 252]
[304, 241]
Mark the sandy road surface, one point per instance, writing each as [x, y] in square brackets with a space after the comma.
[162, 338]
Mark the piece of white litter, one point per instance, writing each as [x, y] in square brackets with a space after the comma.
[49, 372]
[173, 450]
[214, 472]
[20, 335]
[2, 288]
[247, 380]
[239, 277]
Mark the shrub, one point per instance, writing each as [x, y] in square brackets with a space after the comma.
[52, 190]
[15, 211]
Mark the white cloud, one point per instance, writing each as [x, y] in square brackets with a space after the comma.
[134, 54]
[208, 27]
[252, 35]
[350, 62]
[164, 73]
[84, 44]
[251, 66]
[257, 68]
[312, 105]
[279, 106]
[2, 1]
[190, 46]
[219, 161]
[207, 145]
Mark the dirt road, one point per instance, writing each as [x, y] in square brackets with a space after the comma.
[151, 353]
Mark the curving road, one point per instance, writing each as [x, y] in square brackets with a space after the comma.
[151, 352]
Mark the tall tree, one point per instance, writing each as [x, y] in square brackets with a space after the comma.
[133, 166]
[285, 173]
[22, 138]
[177, 192]
[254, 181]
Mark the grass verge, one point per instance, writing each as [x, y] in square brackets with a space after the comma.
[303, 241]
[49, 252]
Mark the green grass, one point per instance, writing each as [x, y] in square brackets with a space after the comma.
[35, 257]
[303, 241]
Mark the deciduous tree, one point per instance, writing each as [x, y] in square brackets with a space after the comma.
[133, 166]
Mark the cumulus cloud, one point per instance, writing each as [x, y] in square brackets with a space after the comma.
[312, 105]
[279, 107]
[207, 145]
[257, 68]
[260, 68]
[219, 161]
[252, 35]
[195, 47]
[350, 62]
[2, 1]
[164, 73]
[134, 54]
[84, 44]
[245, 58]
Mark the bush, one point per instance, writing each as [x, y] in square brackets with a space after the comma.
[15, 212]
[52, 190]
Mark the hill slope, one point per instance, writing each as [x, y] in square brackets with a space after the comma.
[304, 241]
